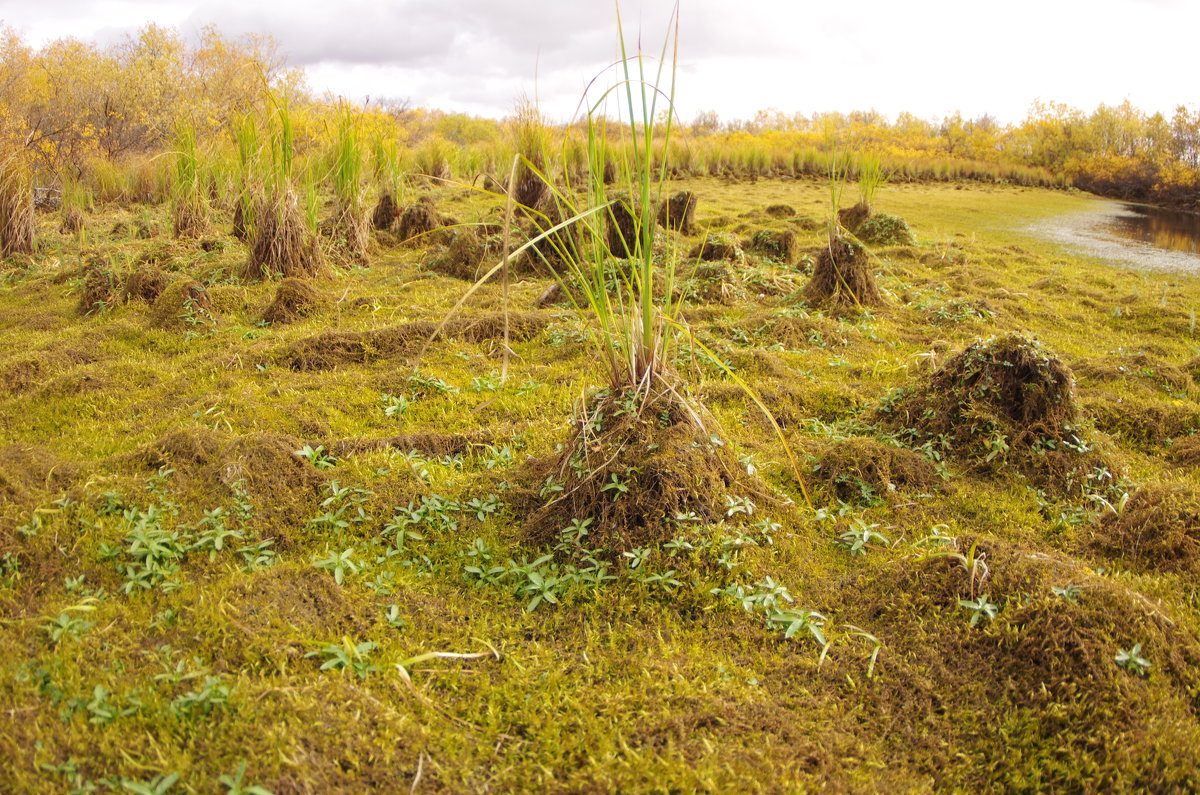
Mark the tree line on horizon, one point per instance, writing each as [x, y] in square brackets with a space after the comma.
[75, 109]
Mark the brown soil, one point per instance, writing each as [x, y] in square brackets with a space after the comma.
[842, 276]
[294, 299]
[335, 349]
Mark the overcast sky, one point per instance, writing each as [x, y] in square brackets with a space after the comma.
[929, 57]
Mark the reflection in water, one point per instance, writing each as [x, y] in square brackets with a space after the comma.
[1170, 229]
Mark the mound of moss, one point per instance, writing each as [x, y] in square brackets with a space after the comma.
[881, 229]
[1001, 400]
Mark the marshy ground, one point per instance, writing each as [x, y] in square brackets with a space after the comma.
[997, 591]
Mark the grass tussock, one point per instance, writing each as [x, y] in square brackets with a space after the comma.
[16, 208]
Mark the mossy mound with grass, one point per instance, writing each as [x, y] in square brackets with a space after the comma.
[718, 247]
[1158, 529]
[777, 245]
[881, 229]
[470, 255]
[335, 349]
[842, 276]
[101, 287]
[184, 304]
[1185, 452]
[999, 400]
[977, 621]
[418, 220]
[865, 471]
[632, 467]
[264, 466]
[294, 299]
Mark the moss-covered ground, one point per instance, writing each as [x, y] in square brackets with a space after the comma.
[187, 603]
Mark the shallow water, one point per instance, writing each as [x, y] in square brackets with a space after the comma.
[1134, 235]
[1167, 229]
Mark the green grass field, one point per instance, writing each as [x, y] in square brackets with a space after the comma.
[188, 603]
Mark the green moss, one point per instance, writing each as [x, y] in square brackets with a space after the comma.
[632, 684]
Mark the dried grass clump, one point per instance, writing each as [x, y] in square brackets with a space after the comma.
[350, 229]
[679, 212]
[283, 243]
[294, 299]
[72, 221]
[660, 449]
[145, 284]
[16, 208]
[1001, 400]
[861, 470]
[842, 276]
[189, 217]
[385, 212]
[851, 218]
[1157, 530]
[622, 225]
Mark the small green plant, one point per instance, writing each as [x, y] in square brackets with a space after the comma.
[1070, 592]
[338, 563]
[317, 456]
[980, 609]
[858, 538]
[234, 786]
[1132, 660]
[347, 656]
[67, 625]
[395, 406]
